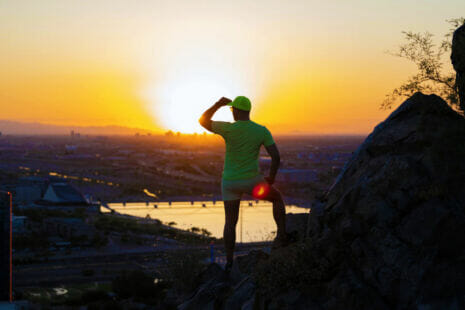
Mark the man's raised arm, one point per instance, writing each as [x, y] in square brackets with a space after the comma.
[275, 161]
[206, 119]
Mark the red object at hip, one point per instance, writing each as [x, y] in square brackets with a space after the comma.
[261, 190]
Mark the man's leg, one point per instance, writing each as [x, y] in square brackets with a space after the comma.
[231, 211]
[279, 211]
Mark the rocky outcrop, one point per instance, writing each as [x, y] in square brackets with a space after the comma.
[391, 232]
[458, 62]
[216, 290]
[397, 211]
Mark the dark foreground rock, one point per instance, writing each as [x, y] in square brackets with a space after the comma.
[390, 235]
[216, 290]
[397, 212]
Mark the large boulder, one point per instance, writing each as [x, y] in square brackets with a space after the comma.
[217, 290]
[397, 212]
[212, 287]
[458, 62]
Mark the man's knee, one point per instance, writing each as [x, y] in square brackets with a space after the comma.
[231, 223]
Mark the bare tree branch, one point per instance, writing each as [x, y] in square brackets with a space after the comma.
[420, 49]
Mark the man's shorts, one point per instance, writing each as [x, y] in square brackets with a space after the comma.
[233, 189]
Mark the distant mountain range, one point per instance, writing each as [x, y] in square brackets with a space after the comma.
[23, 128]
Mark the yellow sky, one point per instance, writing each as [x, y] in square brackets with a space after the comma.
[308, 66]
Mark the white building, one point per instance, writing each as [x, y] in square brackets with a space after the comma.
[63, 193]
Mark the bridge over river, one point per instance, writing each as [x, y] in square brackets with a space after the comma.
[255, 224]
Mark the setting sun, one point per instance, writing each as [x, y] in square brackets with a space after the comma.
[177, 103]
[154, 153]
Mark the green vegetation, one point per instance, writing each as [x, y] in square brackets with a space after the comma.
[38, 214]
[183, 268]
[205, 232]
[73, 295]
[87, 272]
[35, 242]
[297, 266]
[79, 240]
[99, 241]
[195, 230]
[128, 287]
[124, 225]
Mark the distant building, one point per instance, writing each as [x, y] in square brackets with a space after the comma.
[32, 189]
[66, 227]
[63, 193]
[70, 149]
[5, 247]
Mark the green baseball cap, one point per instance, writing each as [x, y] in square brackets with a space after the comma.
[241, 103]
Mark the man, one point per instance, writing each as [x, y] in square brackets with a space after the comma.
[241, 173]
[458, 61]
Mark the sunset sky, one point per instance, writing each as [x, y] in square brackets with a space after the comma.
[316, 67]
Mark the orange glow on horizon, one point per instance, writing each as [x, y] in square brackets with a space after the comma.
[308, 67]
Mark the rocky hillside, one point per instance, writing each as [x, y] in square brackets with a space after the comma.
[390, 234]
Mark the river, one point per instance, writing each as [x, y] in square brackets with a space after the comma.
[255, 218]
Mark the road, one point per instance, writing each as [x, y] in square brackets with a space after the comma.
[103, 267]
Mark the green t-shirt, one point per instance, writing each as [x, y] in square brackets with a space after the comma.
[243, 141]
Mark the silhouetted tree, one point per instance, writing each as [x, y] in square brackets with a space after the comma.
[205, 232]
[428, 58]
